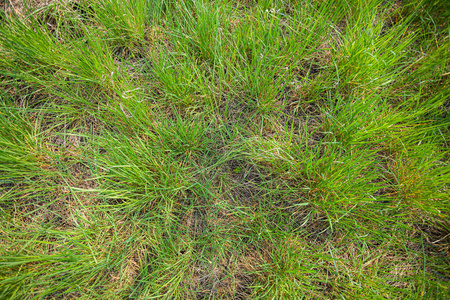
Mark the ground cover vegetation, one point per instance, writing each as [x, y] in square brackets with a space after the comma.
[272, 149]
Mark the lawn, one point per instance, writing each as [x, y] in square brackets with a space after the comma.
[193, 149]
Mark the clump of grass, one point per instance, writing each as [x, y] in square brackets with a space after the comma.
[224, 150]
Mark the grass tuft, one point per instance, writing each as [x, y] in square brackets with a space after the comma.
[224, 149]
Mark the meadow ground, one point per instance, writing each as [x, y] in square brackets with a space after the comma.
[272, 149]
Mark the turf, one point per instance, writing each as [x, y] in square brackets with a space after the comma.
[272, 149]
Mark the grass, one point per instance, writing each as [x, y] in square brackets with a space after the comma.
[224, 149]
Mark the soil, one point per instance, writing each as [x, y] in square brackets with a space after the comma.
[19, 6]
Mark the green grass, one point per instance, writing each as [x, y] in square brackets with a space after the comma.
[155, 149]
